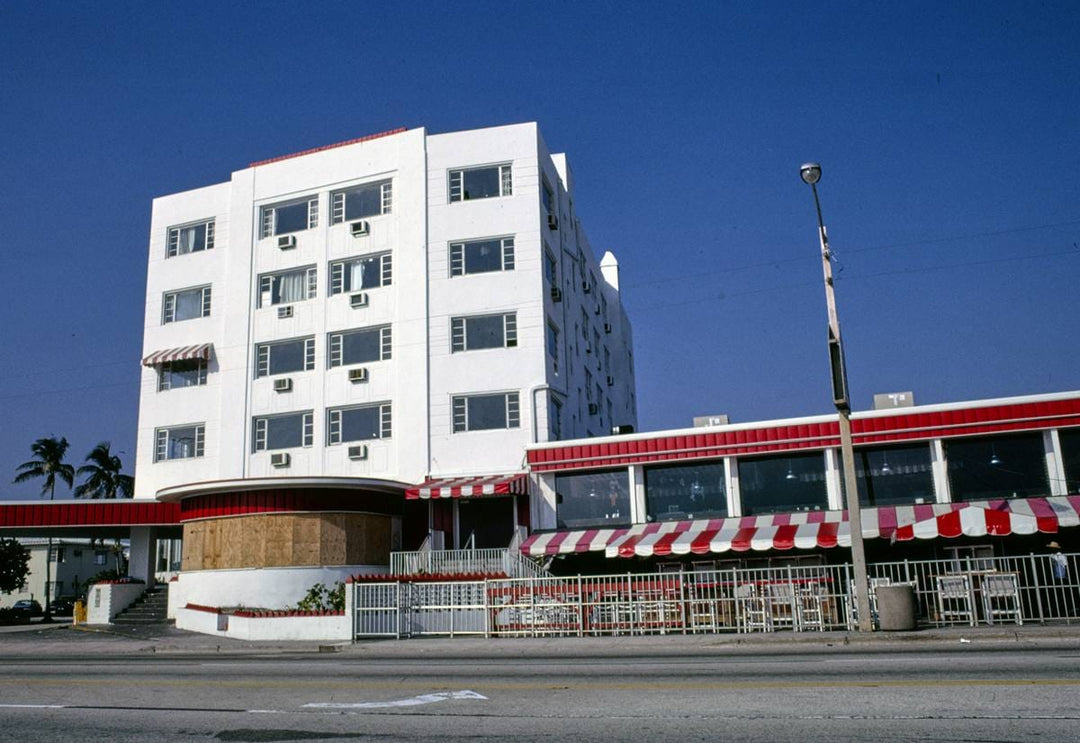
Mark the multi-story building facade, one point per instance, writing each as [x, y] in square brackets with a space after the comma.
[372, 316]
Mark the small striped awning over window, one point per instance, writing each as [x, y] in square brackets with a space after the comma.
[816, 529]
[471, 487]
[183, 353]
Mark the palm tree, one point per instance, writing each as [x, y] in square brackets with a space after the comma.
[103, 478]
[50, 465]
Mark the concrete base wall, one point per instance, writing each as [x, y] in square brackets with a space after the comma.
[262, 588]
[106, 600]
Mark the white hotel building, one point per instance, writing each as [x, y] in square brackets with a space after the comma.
[334, 327]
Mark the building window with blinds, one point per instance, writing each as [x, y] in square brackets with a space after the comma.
[190, 238]
[356, 274]
[287, 287]
[185, 304]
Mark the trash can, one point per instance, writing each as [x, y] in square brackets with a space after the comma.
[895, 608]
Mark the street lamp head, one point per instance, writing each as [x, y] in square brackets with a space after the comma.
[810, 173]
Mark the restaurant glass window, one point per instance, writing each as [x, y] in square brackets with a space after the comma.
[1012, 466]
[685, 491]
[893, 475]
[1070, 455]
[593, 499]
[780, 484]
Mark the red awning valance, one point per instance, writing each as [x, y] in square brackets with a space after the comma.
[471, 487]
[814, 529]
[183, 353]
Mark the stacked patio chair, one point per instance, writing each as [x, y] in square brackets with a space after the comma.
[784, 609]
[956, 600]
[1001, 597]
[811, 607]
[755, 609]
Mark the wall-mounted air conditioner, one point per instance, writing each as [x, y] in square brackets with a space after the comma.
[359, 374]
[285, 311]
[593, 408]
[283, 385]
[621, 430]
[585, 287]
[610, 381]
[588, 348]
[360, 229]
[556, 294]
[358, 300]
[280, 459]
[286, 242]
[553, 222]
[596, 310]
[358, 452]
[607, 328]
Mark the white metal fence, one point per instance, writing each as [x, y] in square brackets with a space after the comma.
[435, 562]
[800, 599]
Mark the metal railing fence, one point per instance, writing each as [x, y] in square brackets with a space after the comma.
[435, 562]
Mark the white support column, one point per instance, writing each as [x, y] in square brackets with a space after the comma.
[143, 553]
[638, 511]
[1055, 463]
[941, 471]
[731, 480]
[832, 480]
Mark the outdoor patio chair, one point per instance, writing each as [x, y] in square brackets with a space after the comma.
[784, 608]
[1001, 597]
[811, 607]
[754, 607]
[955, 599]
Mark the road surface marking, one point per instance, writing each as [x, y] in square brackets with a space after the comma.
[441, 696]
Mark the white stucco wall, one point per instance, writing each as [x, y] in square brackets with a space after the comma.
[106, 600]
[263, 588]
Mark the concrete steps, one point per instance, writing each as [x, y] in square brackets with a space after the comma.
[151, 608]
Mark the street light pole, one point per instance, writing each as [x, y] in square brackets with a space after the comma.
[811, 174]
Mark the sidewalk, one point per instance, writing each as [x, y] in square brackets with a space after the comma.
[62, 639]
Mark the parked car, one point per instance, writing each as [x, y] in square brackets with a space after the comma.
[63, 606]
[29, 607]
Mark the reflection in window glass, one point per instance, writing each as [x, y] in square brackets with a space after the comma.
[685, 491]
[1070, 454]
[1011, 466]
[778, 484]
[893, 475]
[593, 499]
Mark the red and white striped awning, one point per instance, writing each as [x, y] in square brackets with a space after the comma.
[183, 353]
[471, 487]
[814, 529]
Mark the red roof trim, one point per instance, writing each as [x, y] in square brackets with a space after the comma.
[312, 151]
[801, 436]
[89, 513]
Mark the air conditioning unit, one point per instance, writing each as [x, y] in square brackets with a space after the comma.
[593, 408]
[280, 459]
[358, 375]
[620, 430]
[553, 222]
[358, 300]
[556, 294]
[607, 328]
[286, 242]
[588, 348]
[358, 452]
[610, 381]
[283, 385]
[284, 312]
[596, 310]
[585, 287]
[360, 229]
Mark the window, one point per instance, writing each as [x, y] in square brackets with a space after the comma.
[588, 385]
[553, 346]
[554, 418]
[355, 274]
[287, 431]
[596, 347]
[186, 304]
[291, 216]
[480, 183]
[592, 499]
[359, 346]
[482, 256]
[360, 423]
[685, 491]
[175, 374]
[368, 200]
[548, 197]
[1070, 455]
[287, 287]
[551, 268]
[191, 238]
[284, 357]
[893, 475]
[483, 331]
[997, 467]
[179, 442]
[100, 557]
[783, 483]
[584, 324]
[486, 412]
[607, 360]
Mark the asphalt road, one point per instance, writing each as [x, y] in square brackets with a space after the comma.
[951, 691]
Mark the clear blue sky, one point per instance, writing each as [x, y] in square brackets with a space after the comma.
[949, 135]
